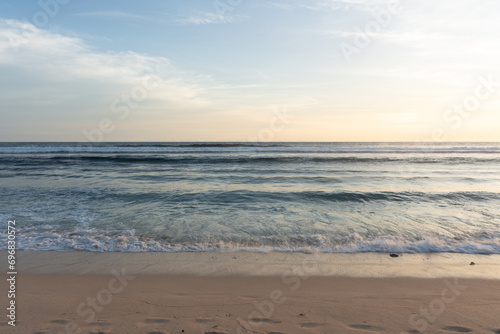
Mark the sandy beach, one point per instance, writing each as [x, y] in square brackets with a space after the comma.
[290, 293]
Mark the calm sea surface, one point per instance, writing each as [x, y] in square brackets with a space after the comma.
[325, 197]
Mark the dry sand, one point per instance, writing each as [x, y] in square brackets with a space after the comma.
[301, 295]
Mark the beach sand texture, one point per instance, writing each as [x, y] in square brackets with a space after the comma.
[117, 300]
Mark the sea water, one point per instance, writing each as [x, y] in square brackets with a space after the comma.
[299, 197]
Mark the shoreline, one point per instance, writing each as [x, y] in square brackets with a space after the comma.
[432, 265]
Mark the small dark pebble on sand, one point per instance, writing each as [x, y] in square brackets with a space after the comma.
[394, 255]
[472, 263]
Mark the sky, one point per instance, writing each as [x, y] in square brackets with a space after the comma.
[249, 70]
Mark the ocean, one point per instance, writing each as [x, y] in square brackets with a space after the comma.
[260, 197]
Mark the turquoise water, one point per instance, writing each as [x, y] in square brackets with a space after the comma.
[307, 197]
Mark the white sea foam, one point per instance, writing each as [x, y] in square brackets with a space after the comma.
[128, 242]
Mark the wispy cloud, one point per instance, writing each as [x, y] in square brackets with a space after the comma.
[63, 85]
[210, 18]
[61, 63]
[115, 15]
[197, 19]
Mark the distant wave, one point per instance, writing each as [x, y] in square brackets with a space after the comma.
[247, 196]
[242, 159]
[208, 145]
[343, 196]
[269, 147]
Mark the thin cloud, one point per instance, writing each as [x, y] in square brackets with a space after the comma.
[115, 15]
[53, 58]
[209, 18]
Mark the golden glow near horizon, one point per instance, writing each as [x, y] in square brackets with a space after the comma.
[310, 71]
